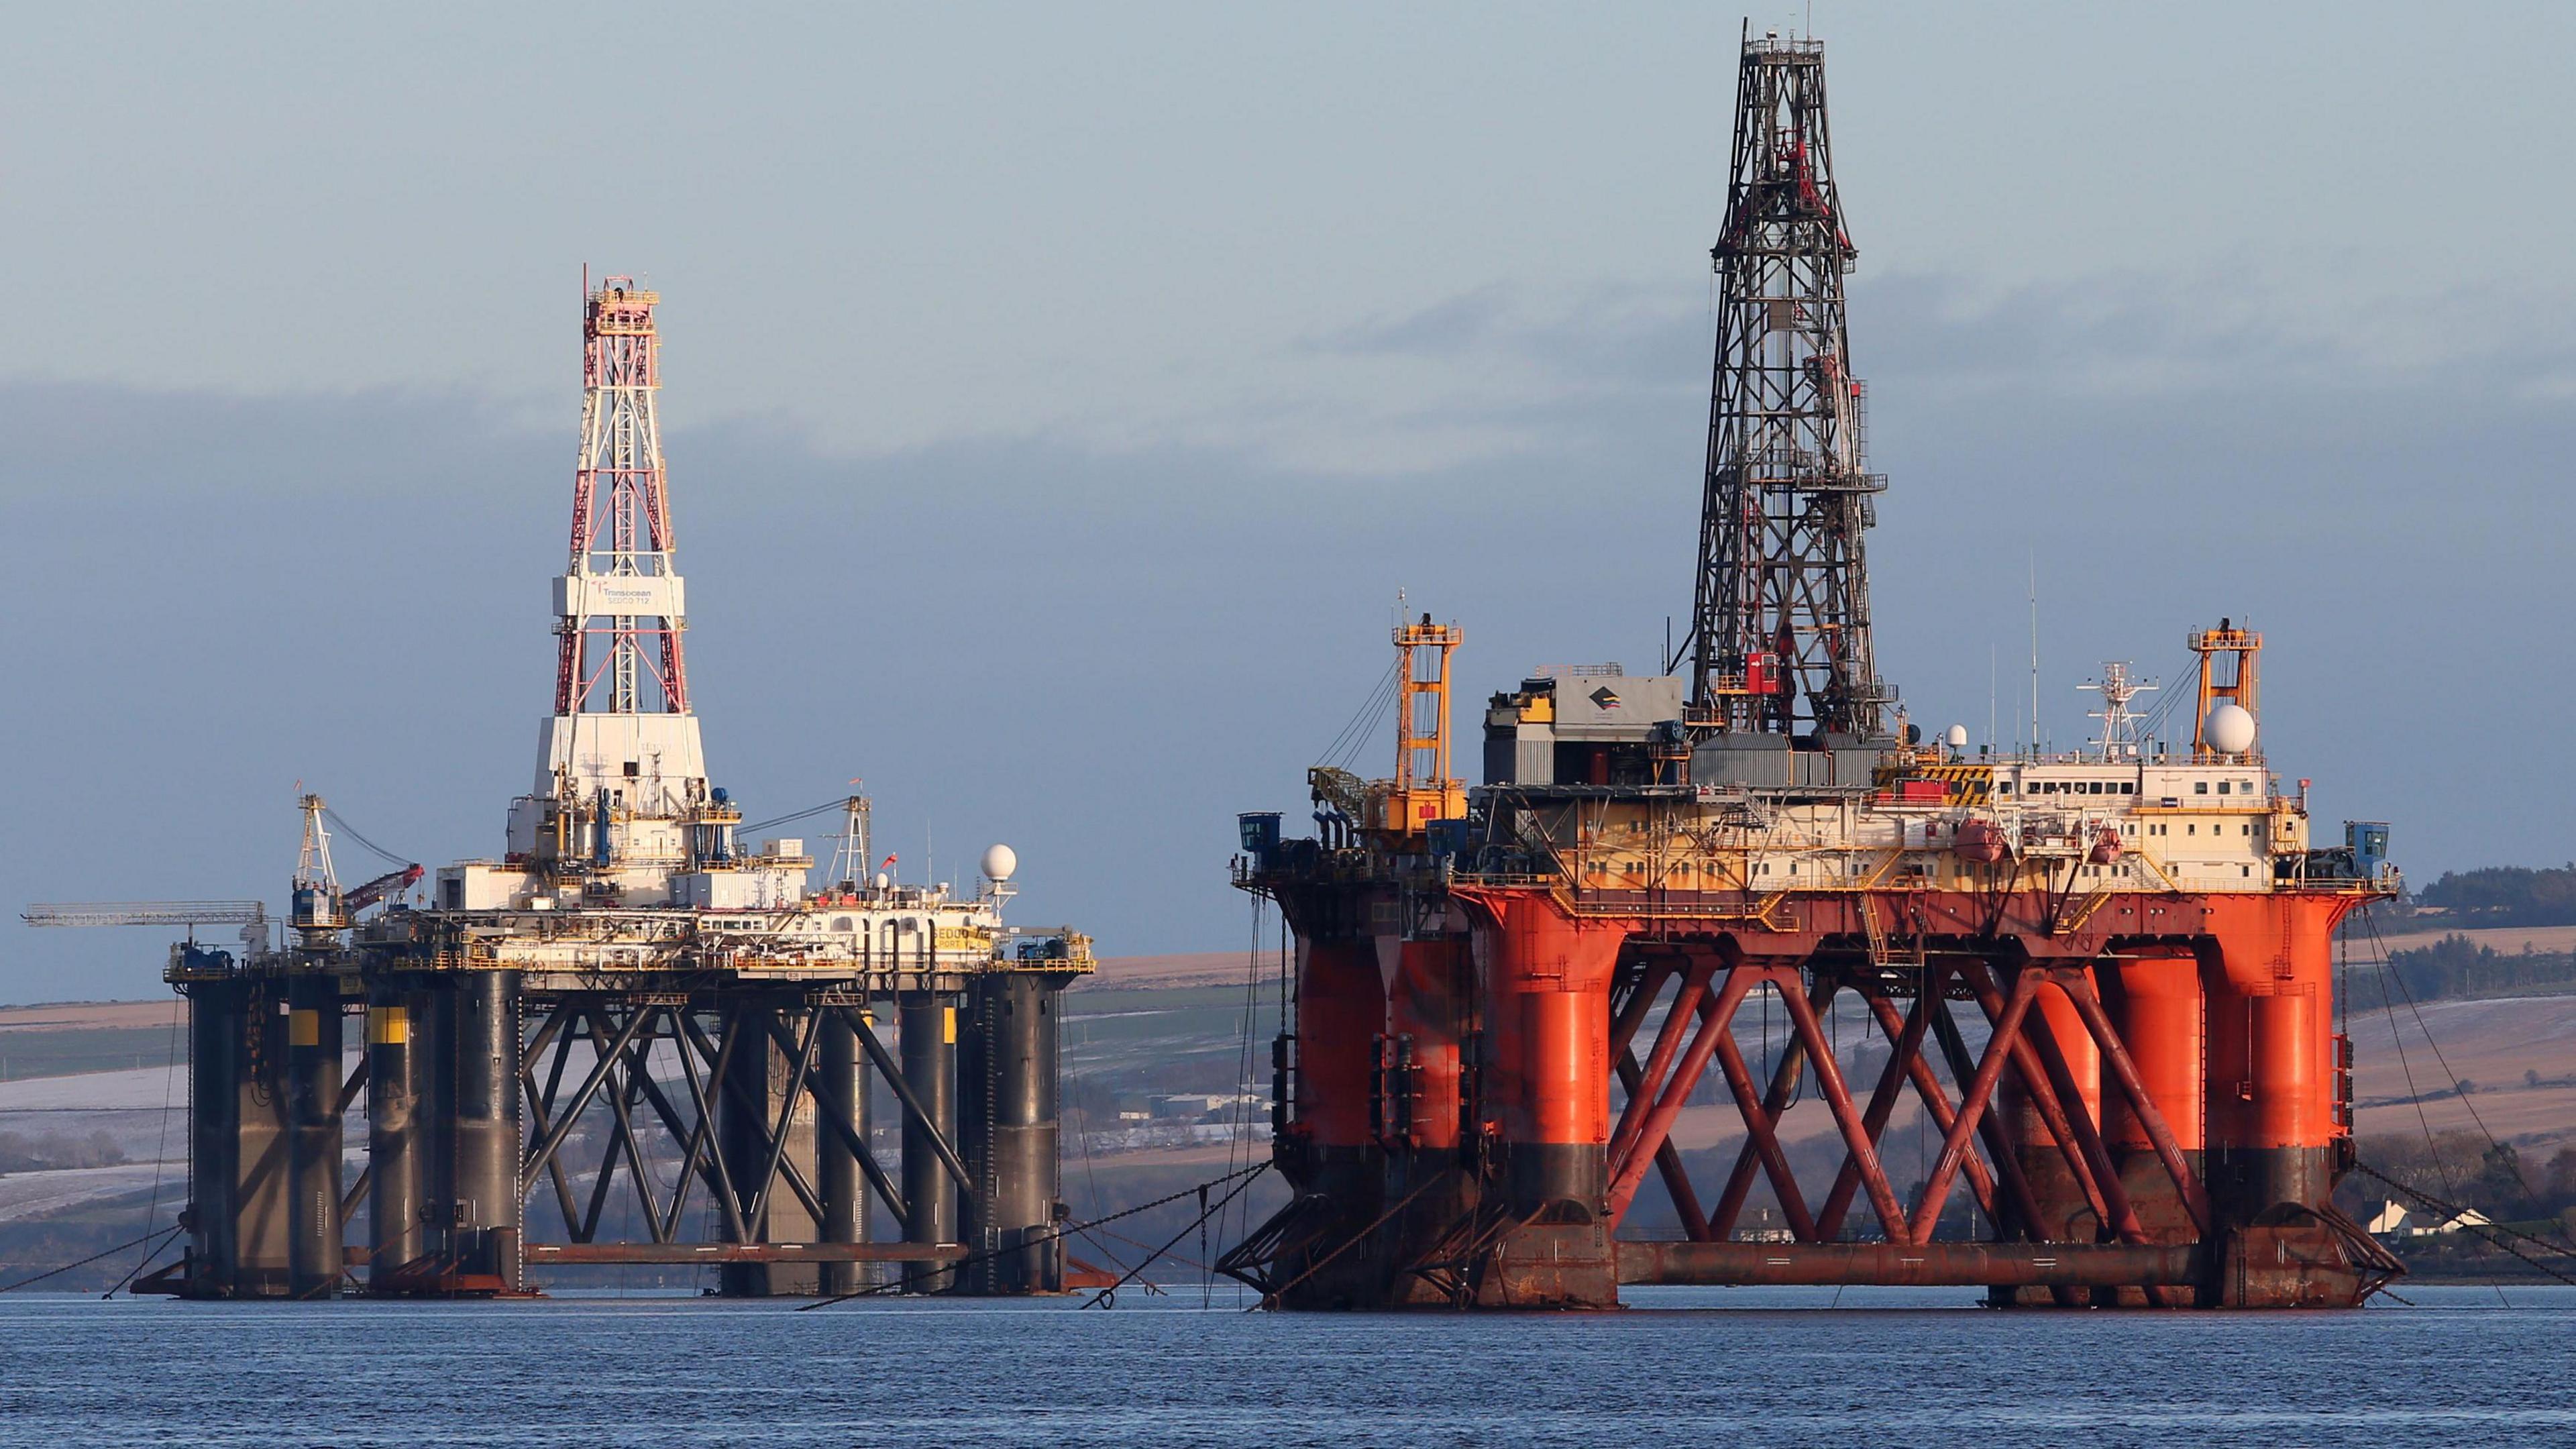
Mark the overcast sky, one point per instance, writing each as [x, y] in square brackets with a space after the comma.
[1057, 398]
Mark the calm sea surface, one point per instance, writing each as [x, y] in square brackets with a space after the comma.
[1702, 1367]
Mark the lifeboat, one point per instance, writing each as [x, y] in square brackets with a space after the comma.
[1978, 840]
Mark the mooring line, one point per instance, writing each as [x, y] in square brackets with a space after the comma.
[2495, 1233]
[1109, 1295]
[1056, 1235]
[1271, 1298]
[164, 1234]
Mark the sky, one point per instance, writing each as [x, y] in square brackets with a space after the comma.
[1057, 398]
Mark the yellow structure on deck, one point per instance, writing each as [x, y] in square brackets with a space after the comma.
[1423, 790]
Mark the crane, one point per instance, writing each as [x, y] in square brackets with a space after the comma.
[391, 883]
[321, 908]
[191, 914]
[251, 916]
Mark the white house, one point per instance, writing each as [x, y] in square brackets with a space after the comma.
[2471, 1218]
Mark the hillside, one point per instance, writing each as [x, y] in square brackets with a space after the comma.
[92, 1108]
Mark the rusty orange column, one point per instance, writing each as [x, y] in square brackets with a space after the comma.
[2155, 1004]
[1546, 979]
[1340, 1009]
[1420, 1111]
[2066, 1213]
[1423, 1027]
[2267, 966]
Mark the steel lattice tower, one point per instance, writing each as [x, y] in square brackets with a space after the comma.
[621, 588]
[1780, 621]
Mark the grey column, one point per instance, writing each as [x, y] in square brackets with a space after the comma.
[757, 1094]
[926, 1037]
[313, 1153]
[1011, 1143]
[216, 1020]
[395, 1152]
[260, 1195]
[842, 1086]
[480, 1047]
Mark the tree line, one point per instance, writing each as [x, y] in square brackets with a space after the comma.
[2457, 966]
[2506, 895]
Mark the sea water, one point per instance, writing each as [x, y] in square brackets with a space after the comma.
[1703, 1367]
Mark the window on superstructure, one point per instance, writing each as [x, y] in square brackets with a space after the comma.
[2200, 787]
[2128, 787]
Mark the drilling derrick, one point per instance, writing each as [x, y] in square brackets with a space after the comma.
[621, 677]
[1780, 620]
[2098, 983]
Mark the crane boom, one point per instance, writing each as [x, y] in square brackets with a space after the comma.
[390, 883]
[146, 913]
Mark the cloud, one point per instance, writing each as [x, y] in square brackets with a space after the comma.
[1099, 653]
[1443, 329]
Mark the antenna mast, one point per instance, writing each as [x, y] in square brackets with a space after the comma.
[1780, 622]
[2119, 723]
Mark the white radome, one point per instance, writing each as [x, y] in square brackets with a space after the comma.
[2229, 729]
[999, 862]
[1957, 737]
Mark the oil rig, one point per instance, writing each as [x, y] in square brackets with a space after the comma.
[2105, 977]
[718, 1016]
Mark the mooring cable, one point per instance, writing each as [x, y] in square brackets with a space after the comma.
[164, 1234]
[1272, 1297]
[1109, 1295]
[1055, 1235]
[2389, 972]
[2495, 1233]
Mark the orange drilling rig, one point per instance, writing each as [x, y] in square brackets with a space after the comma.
[2099, 983]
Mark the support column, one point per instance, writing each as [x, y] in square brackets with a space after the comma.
[1547, 1049]
[926, 1037]
[1009, 1079]
[2066, 1214]
[314, 1238]
[2267, 966]
[763, 1073]
[217, 1019]
[842, 1071]
[479, 1043]
[1421, 1112]
[396, 1154]
[261, 1198]
[2155, 1002]
[1341, 1009]
[2268, 971]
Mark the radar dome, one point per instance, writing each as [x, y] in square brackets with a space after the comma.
[1957, 737]
[999, 862]
[2229, 729]
[881, 880]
